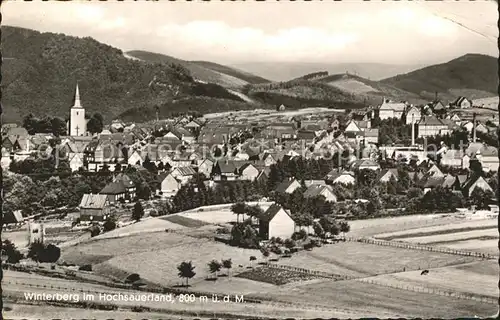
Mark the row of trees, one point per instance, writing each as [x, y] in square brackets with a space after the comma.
[186, 268]
[38, 251]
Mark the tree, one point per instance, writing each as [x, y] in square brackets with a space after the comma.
[318, 229]
[265, 253]
[227, 264]
[109, 225]
[186, 271]
[252, 259]
[138, 211]
[290, 244]
[238, 208]
[10, 250]
[344, 227]
[214, 266]
[35, 251]
[94, 231]
[481, 198]
[95, 124]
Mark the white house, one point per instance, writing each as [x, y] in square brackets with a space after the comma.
[315, 190]
[169, 185]
[276, 222]
[389, 109]
[288, 186]
[248, 172]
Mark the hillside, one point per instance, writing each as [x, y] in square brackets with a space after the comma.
[285, 71]
[473, 75]
[40, 71]
[321, 89]
[203, 70]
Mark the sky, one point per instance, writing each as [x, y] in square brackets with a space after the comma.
[239, 32]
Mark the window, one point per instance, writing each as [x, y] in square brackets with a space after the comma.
[77, 113]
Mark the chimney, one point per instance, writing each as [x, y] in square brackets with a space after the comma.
[435, 96]
[474, 127]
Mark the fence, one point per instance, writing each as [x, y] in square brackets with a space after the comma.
[412, 246]
[454, 294]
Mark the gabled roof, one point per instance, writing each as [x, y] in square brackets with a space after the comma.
[281, 188]
[125, 179]
[430, 121]
[364, 163]
[316, 189]
[185, 171]
[17, 131]
[271, 212]
[114, 188]
[93, 201]
[334, 174]
[390, 105]
[428, 181]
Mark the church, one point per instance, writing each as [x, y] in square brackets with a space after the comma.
[77, 124]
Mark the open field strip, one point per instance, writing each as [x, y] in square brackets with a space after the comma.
[217, 213]
[16, 289]
[380, 301]
[450, 237]
[371, 227]
[350, 259]
[22, 311]
[441, 229]
[489, 246]
[450, 279]
[144, 226]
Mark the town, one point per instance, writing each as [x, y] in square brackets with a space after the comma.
[273, 181]
[169, 160]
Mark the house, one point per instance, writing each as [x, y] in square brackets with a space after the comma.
[343, 177]
[370, 136]
[431, 126]
[318, 189]
[192, 125]
[475, 182]
[17, 131]
[169, 185]
[135, 158]
[462, 103]
[205, 167]
[288, 186]
[276, 222]
[269, 159]
[452, 158]
[389, 109]
[183, 174]
[488, 156]
[94, 207]
[122, 187]
[263, 175]
[428, 182]
[435, 172]
[481, 128]
[413, 115]
[387, 174]
[10, 143]
[75, 162]
[248, 172]
[364, 164]
[227, 169]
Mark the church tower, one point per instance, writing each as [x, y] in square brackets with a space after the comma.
[77, 122]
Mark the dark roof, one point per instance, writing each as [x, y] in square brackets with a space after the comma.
[271, 212]
[315, 190]
[93, 201]
[281, 188]
[113, 188]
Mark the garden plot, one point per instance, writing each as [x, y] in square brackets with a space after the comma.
[445, 279]
[360, 259]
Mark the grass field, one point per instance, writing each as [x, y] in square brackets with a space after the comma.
[441, 229]
[360, 259]
[144, 226]
[384, 302]
[447, 278]
[184, 221]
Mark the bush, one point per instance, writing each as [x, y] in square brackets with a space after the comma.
[153, 213]
[94, 231]
[85, 267]
[109, 225]
[132, 278]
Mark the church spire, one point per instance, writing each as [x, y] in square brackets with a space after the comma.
[77, 98]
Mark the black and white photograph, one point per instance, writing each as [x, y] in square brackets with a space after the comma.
[249, 159]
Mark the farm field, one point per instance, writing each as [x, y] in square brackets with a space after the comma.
[99, 250]
[16, 311]
[448, 279]
[144, 226]
[442, 229]
[361, 259]
[487, 246]
[164, 260]
[370, 299]
[371, 227]
[16, 292]
[452, 237]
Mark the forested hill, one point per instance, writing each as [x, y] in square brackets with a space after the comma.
[471, 75]
[40, 71]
